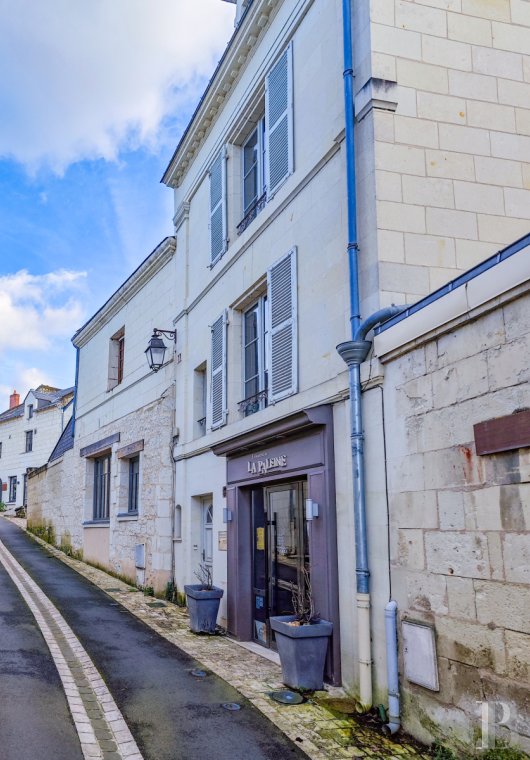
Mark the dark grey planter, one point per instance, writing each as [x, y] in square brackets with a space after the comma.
[302, 651]
[203, 606]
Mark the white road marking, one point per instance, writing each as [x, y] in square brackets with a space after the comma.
[84, 688]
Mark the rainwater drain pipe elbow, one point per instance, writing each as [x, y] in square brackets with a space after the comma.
[354, 352]
[394, 719]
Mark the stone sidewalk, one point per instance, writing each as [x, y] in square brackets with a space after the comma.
[320, 733]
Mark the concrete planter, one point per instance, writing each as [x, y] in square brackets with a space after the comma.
[302, 651]
[203, 606]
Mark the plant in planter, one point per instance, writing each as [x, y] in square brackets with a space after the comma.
[302, 640]
[203, 601]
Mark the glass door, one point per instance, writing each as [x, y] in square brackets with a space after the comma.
[280, 553]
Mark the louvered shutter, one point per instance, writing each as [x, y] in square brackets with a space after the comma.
[279, 122]
[218, 390]
[218, 207]
[283, 340]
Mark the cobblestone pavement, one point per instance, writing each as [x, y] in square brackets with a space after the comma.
[320, 733]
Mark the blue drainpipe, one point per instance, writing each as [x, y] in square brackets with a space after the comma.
[354, 352]
[75, 389]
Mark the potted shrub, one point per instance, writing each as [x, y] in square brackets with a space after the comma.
[203, 601]
[302, 641]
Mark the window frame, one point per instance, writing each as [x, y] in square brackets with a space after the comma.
[261, 307]
[12, 489]
[29, 442]
[259, 164]
[133, 493]
[101, 494]
[30, 411]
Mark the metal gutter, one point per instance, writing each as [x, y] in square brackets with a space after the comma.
[458, 282]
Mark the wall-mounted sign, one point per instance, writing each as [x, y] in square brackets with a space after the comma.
[222, 541]
[261, 464]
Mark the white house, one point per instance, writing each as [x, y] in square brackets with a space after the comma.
[28, 433]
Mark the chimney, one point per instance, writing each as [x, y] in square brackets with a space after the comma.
[14, 399]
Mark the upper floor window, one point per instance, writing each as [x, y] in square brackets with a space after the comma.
[13, 488]
[255, 357]
[218, 371]
[0, 450]
[279, 152]
[116, 358]
[30, 411]
[101, 500]
[199, 400]
[29, 441]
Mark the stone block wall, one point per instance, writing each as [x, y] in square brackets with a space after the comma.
[460, 541]
[452, 163]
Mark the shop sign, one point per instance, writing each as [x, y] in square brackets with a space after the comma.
[264, 464]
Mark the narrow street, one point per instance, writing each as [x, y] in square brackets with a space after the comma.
[148, 689]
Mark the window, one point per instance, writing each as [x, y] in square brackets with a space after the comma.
[255, 355]
[199, 400]
[25, 491]
[134, 479]
[218, 234]
[13, 488]
[218, 386]
[253, 175]
[30, 411]
[0, 450]
[101, 500]
[29, 441]
[116, 359]
[283, 340]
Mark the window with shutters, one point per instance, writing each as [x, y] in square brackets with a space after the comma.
[255, 357]
[279, 162]
[218, 372]
[283, 338]
[218, 234]
[116, 359]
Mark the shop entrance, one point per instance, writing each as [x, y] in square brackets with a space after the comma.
[279, 553]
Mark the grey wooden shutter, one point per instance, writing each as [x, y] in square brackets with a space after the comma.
[218, 389]
[279, 122]
[218, 207]
[283, 339]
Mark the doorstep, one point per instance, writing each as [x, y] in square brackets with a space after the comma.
[321, 734]
[251, 646]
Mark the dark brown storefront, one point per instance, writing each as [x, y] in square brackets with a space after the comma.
[271, 473]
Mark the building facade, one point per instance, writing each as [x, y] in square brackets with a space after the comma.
[28, 433]
[457, 393]
[251, 469]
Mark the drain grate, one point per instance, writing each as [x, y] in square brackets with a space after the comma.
[156, 604]
[286, 697]
[198, 673]
[231, 706]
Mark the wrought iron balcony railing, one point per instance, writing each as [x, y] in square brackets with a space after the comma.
[252, 213]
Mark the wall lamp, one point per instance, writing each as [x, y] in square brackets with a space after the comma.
[156, 348]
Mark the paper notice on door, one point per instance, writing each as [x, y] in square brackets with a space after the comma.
[260, 539]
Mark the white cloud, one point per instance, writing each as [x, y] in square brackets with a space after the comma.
[87, 79]
[36, 310]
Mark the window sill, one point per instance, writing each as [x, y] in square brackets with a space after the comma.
[127, 516]
[96, 523]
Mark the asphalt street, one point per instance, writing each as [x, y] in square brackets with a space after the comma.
[171, 714]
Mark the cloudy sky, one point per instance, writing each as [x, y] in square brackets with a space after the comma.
[93, 98]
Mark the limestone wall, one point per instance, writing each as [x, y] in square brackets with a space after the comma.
[460, 546]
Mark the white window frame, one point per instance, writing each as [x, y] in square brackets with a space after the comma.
[263, 332]
[259, 131]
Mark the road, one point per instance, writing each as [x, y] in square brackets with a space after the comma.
[114, 688]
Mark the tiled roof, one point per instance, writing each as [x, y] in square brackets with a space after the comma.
[45, 399]
[65, 442]
[10, 414]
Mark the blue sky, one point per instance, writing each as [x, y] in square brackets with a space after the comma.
[94, 101]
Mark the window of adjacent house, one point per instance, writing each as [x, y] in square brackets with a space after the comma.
[255, 356]
[30, 411]
[254, 168]
[116, 358]
[101, 499]
[199, 399]
[13, 488]
[134, 480]
[29, 440]
[25, 491]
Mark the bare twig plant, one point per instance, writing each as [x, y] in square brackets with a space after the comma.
[303, 602]
[204, 576]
